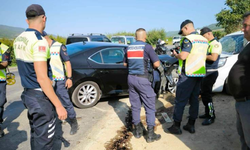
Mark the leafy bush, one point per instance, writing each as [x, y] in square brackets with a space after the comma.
[154, 35]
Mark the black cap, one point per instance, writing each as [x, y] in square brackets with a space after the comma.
[34, 10]
[183, 24]
[205, 30]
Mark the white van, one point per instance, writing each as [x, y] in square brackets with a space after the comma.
[232, 45]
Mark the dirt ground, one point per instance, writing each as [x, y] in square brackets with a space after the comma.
[111, 133]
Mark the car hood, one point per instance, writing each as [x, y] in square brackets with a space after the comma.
[224, 55]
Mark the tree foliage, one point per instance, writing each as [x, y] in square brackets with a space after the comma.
[58, 39]
[219, 34]
[121, 33]
[231, 18]
[154, 35]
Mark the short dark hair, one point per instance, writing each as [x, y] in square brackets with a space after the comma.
[246, 14]
[140, 29]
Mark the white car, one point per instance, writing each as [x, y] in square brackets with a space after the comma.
[232, 44]
[127, 40]
[176, 39]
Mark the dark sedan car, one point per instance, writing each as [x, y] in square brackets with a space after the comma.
[97, 70]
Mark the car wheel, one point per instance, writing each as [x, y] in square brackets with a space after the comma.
[86, 94]
[172, 87]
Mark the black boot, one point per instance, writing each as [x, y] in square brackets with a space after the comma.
[190, 126]
[138, 130]
[1, 132]
[152, 136]
[210, 119]
[175, 128]
[74, 126]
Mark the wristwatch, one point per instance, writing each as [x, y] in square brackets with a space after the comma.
[69, 78]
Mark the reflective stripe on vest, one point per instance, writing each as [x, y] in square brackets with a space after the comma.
[3, 49]
[56, 62]
[195, 62]
[135, 55]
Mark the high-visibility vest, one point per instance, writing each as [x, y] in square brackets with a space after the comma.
[56, 63]
[3, 49]
[196, 61]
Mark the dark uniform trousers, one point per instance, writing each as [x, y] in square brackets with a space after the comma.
[140, 91]
[62, 93]
[2, 99]
[188, 89]
[243, 123]
[42, 119]
[206, 89]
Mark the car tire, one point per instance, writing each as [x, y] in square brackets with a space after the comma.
[86, 94]
[171, 88]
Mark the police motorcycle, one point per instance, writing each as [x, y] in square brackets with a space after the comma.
[170, 66]
[160, 47]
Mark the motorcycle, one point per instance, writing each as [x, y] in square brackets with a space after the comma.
[170, 65]
[161, 47]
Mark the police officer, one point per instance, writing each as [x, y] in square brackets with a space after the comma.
[139, 57]
[59, 56]
[213, 56]
[4, 61]
[32, 55]
[239, 86]
[192, 58]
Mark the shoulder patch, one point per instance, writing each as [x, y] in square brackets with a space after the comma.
[64, 48]
[216, 45]
[186, 41]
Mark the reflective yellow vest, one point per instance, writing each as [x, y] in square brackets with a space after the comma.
[3, 49]
[56, 63]
[196, 60]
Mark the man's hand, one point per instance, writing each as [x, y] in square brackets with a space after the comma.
[68, 83]
[174, 53]
[61, 112]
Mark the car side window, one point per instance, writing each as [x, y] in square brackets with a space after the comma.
[112, 56]
[97, 57]
[106, 39]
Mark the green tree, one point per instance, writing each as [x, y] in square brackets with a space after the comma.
[231, 18]
[219, 34]
[154, 35]
[120, 33]
[58, 39]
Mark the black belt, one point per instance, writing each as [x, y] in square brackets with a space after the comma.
[140, 75]
[243, 99]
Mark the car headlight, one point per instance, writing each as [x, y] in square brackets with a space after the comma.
[222, 62]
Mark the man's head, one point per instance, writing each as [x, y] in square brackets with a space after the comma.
[246, 25]
[141, 35]
[207, 33]
[36, 16]
[186, 27]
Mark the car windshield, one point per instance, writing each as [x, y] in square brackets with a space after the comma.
[232, 44]
[73, 40]
[119, 40]
[130, 40]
